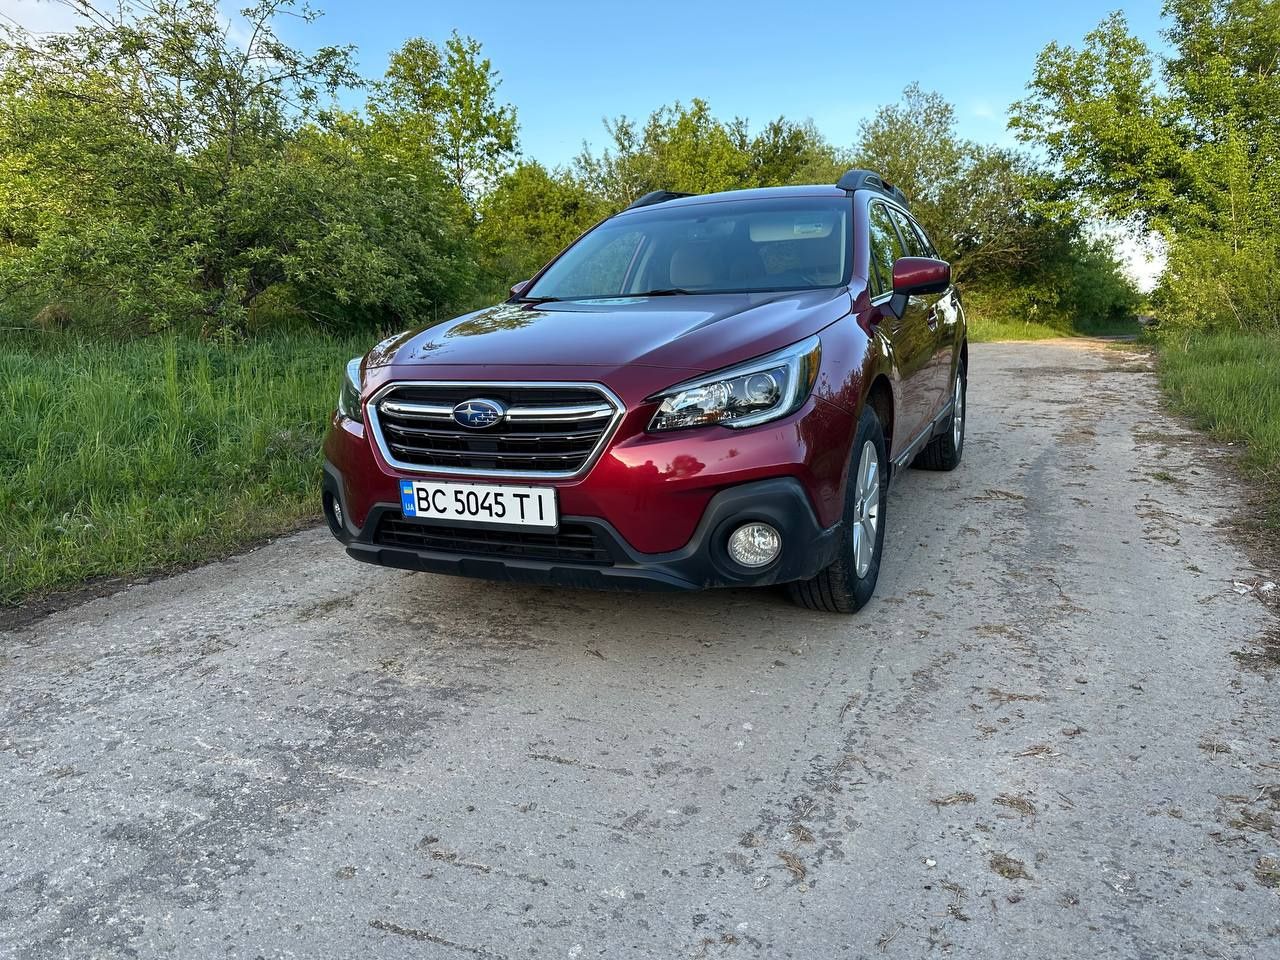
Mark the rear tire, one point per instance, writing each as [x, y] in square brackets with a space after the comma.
[943, 452]
[848, 583]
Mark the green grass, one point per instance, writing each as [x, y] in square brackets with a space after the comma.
[139, 455]
[989, 329]
[984, 330]
[1229, 385]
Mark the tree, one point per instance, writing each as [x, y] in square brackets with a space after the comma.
[785, 152]
[1185, 144]
[446, 101]
[528, 218]
[975, 203]
[159, 170]
[680, 148]
[622, 174]
[914, 145]
[1012, 238]
[689, 150]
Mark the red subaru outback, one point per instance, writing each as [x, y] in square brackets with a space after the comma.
[701, 391]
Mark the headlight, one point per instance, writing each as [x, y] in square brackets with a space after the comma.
[349, 395]
[760, 390]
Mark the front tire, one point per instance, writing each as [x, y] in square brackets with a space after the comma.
[848, 583]
[944, 451]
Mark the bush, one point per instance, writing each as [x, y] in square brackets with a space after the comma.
[1077, 289]
[1209, 284]
[153, 174]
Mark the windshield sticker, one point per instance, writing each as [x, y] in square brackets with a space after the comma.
[812, 228]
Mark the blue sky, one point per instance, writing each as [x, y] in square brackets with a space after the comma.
[565, 65]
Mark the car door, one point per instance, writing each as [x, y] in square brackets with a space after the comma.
[909, 336]
[936, 308]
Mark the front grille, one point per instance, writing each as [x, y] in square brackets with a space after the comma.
[551, 430]
[572, 543]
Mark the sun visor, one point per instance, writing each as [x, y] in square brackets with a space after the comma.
[775, 228]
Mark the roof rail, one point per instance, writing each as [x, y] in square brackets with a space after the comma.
[870, 180]
[656, 196]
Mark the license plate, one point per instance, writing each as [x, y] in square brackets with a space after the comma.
[492, 504]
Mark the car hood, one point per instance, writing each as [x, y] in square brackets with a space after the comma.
[690, 333]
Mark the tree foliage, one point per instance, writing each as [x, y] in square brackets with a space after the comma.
[531, 216]
[445, 103]
[161, 166]
[1185, 143]
[154, 163]
[689, 150]
[995, 216]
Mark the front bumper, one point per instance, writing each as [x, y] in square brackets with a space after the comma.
[807, 547]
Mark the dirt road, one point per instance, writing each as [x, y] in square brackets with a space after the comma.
[1052, 734]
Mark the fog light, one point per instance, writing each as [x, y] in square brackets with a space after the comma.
[333, 513]
[755, 544]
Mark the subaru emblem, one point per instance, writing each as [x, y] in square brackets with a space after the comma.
[478, 414]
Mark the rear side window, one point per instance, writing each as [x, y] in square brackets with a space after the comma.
[924, 238]
[915, 246]
[885, 248]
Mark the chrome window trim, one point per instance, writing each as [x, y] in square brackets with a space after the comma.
[614, 401]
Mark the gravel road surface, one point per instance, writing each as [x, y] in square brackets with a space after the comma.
[1054, 733]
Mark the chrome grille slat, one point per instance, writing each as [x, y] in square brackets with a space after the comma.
[560, 414]
[491, 454]
[423, 411]
[559, 435]
[551, 430]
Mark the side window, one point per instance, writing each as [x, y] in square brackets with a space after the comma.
[885, 248]
[924, 238]
[915, 246]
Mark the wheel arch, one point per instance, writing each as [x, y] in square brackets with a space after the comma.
[879, 397]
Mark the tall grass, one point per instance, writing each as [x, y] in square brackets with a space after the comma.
[1229, 384]
[989, 326]
[984, 329]
[129, 456]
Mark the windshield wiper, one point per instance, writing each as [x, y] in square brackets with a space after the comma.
[665, 292]
[538, 300]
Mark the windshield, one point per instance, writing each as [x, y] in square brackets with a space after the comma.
[735, 246]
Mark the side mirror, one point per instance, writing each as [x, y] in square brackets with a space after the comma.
[916, 275]
[518, 288]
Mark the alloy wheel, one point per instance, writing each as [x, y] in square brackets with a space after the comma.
[866, 508]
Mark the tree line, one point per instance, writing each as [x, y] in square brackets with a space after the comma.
[1185, 143]
[159, 169]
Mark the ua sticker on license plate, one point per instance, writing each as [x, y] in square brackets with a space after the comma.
[480, 503]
